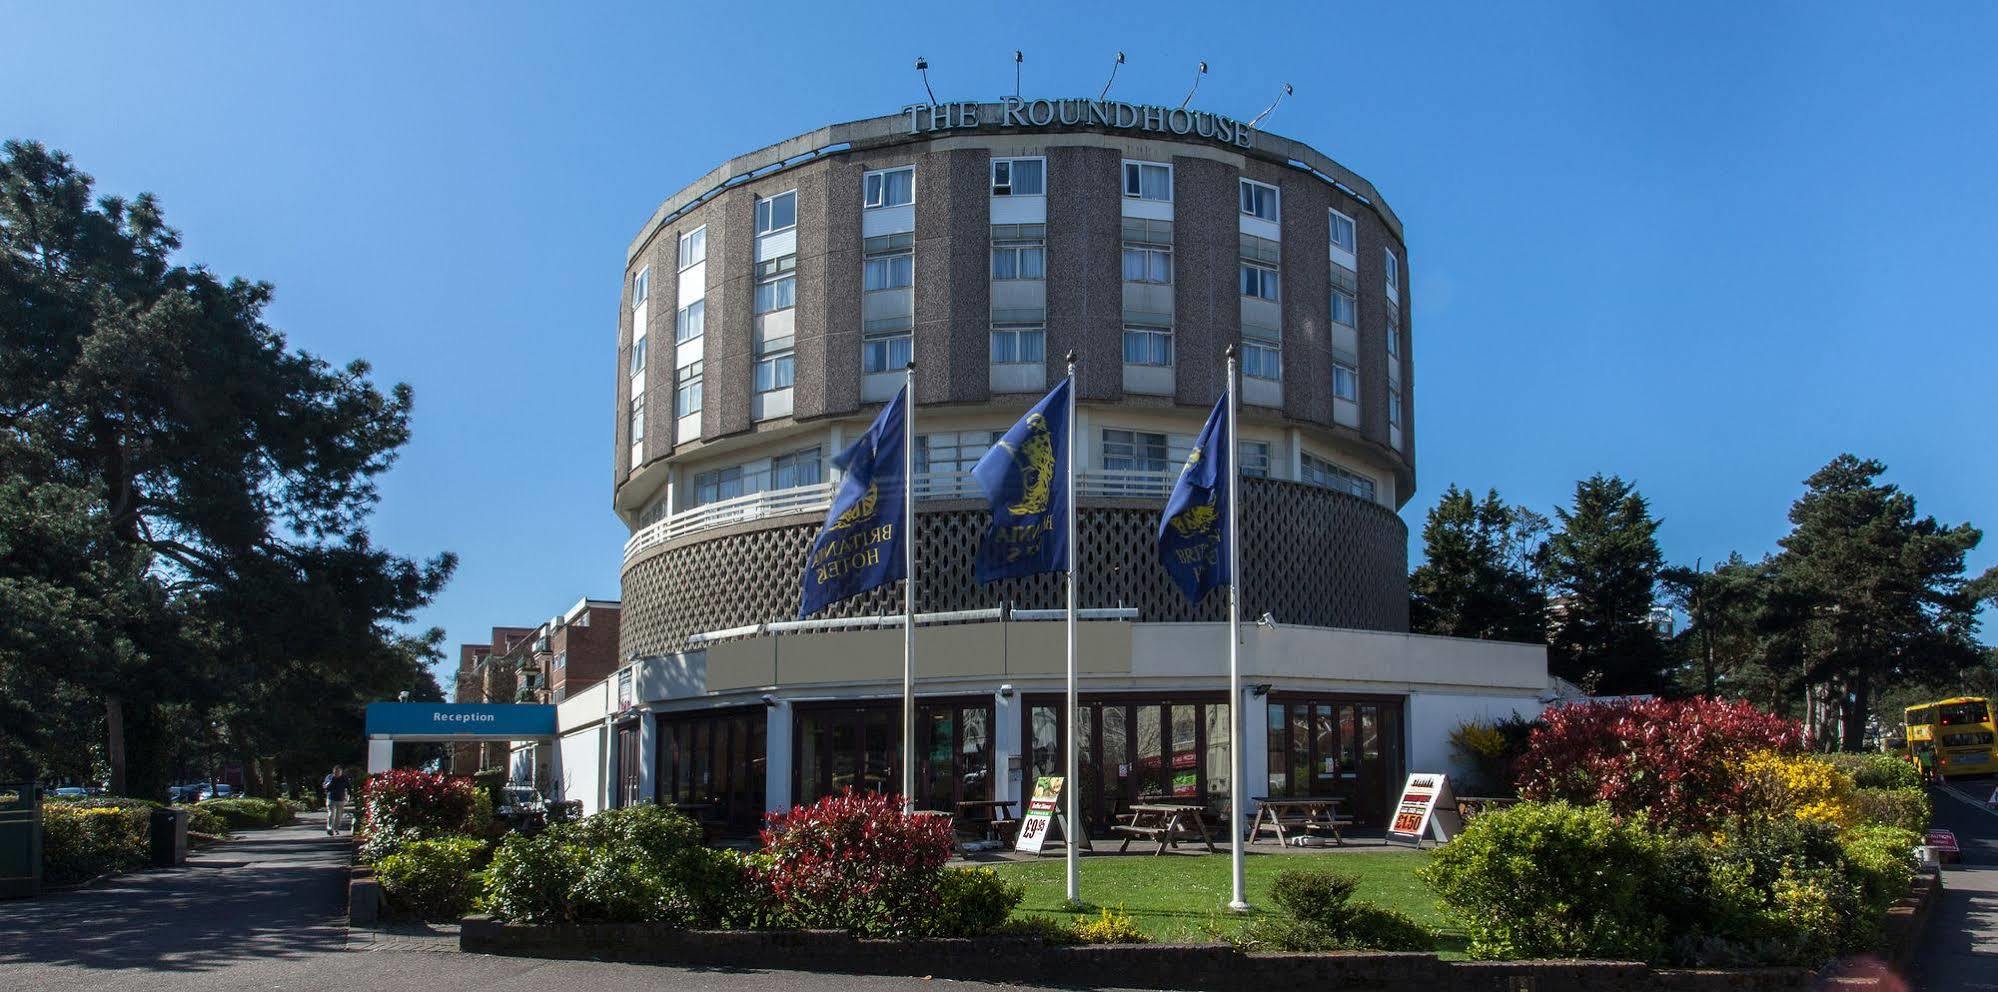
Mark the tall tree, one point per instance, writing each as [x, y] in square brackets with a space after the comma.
[1602, 565]
[1479, 577]
[1730, 614]
[225, 478]
[1887, 601]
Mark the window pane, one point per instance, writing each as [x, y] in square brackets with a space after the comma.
[873, 190]
[1342, 307]
[1219, 774]
[1005, 263]
[1031, 263]
[1027, 177]
[784, 211]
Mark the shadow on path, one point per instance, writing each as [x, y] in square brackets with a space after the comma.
[271, 894]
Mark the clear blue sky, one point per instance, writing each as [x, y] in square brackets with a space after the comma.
[1706, 246]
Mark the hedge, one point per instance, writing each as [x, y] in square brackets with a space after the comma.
[248, 814]
[82, 841]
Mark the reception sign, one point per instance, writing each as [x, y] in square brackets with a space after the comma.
[471, 721]
[1040, 814]
[1426, 806]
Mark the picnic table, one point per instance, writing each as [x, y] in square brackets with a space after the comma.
[993, 817]
[1165, 823]
[1287, 817]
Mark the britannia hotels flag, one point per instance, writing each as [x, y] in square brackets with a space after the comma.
[860, 546]
[1193, 532]
[1025, 476]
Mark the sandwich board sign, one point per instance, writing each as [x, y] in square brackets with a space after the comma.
[1426, 807]
[1040, 816]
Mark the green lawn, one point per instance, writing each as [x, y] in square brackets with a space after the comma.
[1184, 899]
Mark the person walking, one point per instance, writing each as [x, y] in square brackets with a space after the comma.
[336, 786]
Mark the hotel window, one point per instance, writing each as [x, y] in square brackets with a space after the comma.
[687, 390]
[886, 351]
[637, 418]
[1018, 344]
[1259, 200]
[1147, 345]
[1343, 307]
[1148, 181]
[1394, 408]
[637, 355]
[1019, 177]
[1262, 353]
[1135, 451]
[1255, 457]
[691, 322]
[1022, 259]
[1393, 340]
[1345, 382]
[718, 484]
[641, 286]
[1148, 263]
[1393, 277]
[562, 660]
[890, 188]
[1320, 472]
[776, 365]
[1259, 281]
[777, 284]
[953, 451]
[777, 213]
[799, 468]
[1342, 231]
[893, 270]
[694, 247]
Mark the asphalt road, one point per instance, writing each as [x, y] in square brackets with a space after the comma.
[268, 912]
[1960, 951]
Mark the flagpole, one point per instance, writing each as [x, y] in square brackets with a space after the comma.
[1072, 834]
[1238, 901]
[909, 589]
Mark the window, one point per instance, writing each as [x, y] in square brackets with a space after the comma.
[1019, 260]
[718, 484]
[799, 468]
[1148, 181]
[953, 451]
[1147, 345]
[1148, 263]
[1320, 472]
[890, 188]
[1393, 340]
[896, 270]
[1019, 177]
[887, 352]
[1261, 358]
[637, 355]
[687, 390]
[1259, 200]
[694, 247]
[777, 284]
[1394, 408]
[1345, 382]
[641, 287]
[691, 322]
[1135, 451]
[637, 418]
[1343, 307]
[562, 660]
[1018, 343]
[1255, 458]
[776, 369]
[777, 213]
[1342, 231]
[1259, 281]
[1393, 277]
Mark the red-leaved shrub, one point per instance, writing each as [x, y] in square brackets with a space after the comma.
[856, 861]
[1667, 758]
[404, 805]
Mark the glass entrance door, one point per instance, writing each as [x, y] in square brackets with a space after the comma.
[859, 746]
[1349, 748]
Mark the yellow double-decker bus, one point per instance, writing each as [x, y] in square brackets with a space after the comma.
[1960, 733]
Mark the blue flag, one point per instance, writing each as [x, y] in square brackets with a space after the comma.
[1193, 534]
[860, 546]
[1025, 476]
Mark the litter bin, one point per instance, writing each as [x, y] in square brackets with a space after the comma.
[169, 836]
[20, 840]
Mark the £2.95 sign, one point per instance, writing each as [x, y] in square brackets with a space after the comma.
[1040, 813]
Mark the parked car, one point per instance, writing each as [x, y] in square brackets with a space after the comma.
[521, 808]
[71, 792]
[221, 791]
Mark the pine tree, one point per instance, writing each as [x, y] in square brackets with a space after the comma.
[1478, 578]
[1602, 566]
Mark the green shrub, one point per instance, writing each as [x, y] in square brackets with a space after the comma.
[206, 821]
[1882, 860]
[972, 902]
[1042, 928]
[402, 806]
[531, 878]
[244, 813]
[1552, 880]
[1878, 771]
[1905, 808]
[1318, 914]
[82, 841]
[434, 879]
[640, 864]
[1111, 926]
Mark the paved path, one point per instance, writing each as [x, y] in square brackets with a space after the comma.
[267, 911]
[1960, 951]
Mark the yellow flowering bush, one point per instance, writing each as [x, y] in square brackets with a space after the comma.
[81, 842]
[1804, 786]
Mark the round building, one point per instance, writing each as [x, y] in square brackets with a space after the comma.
[771, 307]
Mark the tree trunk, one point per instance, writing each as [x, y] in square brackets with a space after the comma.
[253, 777]
[114, 741]
[1858, 703]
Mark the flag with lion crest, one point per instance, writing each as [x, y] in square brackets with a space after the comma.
[860, 546]
[1025, 476]
[1193, 534]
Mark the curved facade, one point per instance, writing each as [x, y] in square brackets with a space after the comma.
[770, 307]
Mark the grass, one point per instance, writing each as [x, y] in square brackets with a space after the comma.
[1184, 899]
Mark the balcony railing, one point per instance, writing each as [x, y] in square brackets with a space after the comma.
[816, 498]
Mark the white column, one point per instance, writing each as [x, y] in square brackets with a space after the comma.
[1255, 748]
[648, 755]
[1005, 747]
[381, 756]
[777, 758]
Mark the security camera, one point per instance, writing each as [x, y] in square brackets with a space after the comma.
[1267, 621]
